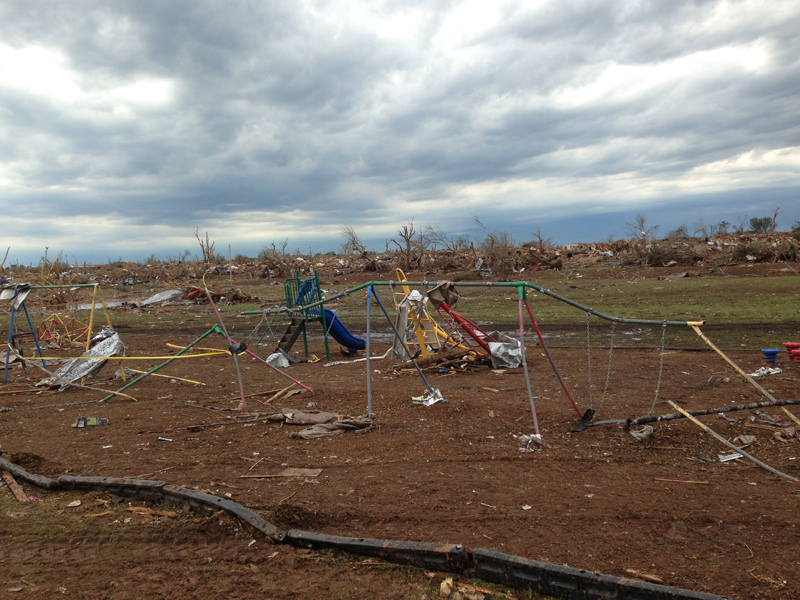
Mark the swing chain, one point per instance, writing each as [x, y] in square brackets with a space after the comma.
[589, 357]
[608, 374]
[460, 297]
[252, 335]
[660, 366]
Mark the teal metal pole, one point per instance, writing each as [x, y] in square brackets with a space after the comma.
[214, 329]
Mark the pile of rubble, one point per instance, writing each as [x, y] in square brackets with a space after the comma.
[467, 261]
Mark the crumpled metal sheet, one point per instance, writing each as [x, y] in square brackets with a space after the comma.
[162, 296]
[81, 367]
[506, 351]
[429, 399]
[445, 291]
[16, 294]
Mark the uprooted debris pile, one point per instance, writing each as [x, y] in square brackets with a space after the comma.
[467, 260]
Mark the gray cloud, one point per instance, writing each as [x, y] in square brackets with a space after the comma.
[187, 114]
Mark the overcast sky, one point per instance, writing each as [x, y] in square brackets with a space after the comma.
[126, 125]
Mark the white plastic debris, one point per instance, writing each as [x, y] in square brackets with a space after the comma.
[428, 399]
[727, 457]
[529, 439]
[162, 297]
[278, 360]
[764, 371]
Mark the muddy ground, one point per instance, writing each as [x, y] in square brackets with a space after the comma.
[453, 472]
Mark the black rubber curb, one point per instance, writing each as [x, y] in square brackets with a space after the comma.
[507, 569]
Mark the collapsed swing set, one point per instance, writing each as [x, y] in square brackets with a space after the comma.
[427, 331]
[307, 300]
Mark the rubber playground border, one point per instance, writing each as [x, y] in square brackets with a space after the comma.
[481, 563]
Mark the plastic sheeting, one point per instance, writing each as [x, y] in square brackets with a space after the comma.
[278, 360]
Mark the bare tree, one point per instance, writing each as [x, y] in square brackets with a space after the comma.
[496, 247]
[410, 239]
[639, 231]
[352, 244]
[740, 227]
[541, 241]
[775, 218]
[435, 236]
[206, 247]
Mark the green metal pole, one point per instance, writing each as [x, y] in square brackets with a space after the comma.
[55, 287]
[214, 329]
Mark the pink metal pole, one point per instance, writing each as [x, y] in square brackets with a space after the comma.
[230, 344]
[525, 368]
[552, 363]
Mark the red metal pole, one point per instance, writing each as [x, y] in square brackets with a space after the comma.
[552, 363]
[463, 322]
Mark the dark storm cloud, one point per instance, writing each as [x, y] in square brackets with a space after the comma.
[177, 113]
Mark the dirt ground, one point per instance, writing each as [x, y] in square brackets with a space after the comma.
[452, 472]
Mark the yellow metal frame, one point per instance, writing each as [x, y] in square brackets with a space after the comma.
[423, 325]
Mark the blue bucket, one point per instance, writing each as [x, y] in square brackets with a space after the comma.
[770, 355]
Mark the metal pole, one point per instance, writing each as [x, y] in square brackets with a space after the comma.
[33, 333]
[402, 341]
[369, 373]
[521, 292]
[552, 362]
[274, 368]
[164, 364]
[739, 370]
[727, 443]
[230, 347]
[516, 284]
[10, 339]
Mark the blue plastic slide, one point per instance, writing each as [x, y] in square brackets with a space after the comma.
[342, 334]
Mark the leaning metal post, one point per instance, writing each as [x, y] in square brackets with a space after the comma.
[214, 329]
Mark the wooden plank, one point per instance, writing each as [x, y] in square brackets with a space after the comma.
[290, 472]
[14, 487]
[683, 481]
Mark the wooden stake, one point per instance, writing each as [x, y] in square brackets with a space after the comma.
[683, 481]
[276, 396]
[171, 377]
[14, 487]
[644, 576]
